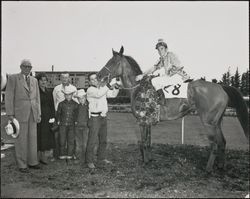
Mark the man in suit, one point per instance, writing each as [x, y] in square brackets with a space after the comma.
[22, 101]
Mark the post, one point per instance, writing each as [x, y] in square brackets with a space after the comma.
[52, 68]
[182, 130]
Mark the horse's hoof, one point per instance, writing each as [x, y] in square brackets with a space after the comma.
[209, 171]
[221, 166]
[208, 174]
[144, 164]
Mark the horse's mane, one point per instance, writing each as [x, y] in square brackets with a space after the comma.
[134, 65]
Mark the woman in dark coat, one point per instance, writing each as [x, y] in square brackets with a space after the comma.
[45, 137]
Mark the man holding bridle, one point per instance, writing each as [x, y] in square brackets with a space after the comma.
[98, 108]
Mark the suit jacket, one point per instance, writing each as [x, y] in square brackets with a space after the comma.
[20, 99]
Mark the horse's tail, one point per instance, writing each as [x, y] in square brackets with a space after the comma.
[236, 101]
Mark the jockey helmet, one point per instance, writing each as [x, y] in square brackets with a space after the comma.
[161, 43]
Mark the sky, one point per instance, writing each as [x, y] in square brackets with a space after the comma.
[208, 37]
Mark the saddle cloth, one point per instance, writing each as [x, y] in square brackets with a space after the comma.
[146, 105]
[175, 87]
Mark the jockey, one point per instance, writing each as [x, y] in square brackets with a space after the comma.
[167, 66]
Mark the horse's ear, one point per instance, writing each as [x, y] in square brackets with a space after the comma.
[121, 51]
[115, 53]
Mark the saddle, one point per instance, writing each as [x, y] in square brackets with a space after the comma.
[147, 108]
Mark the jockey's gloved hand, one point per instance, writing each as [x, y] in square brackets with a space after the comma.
[139, 77]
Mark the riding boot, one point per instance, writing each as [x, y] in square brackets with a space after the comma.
[161, 97]
[188, 80]
[185, 77]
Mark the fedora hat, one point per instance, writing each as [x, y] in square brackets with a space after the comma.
[68, 90]
[13, 128]
[161, 42]
[80, 93]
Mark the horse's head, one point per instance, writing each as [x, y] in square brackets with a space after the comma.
[113, 68]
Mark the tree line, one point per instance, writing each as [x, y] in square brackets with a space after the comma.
[237, 80]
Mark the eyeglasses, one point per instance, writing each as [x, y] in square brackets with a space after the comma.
[25, 66]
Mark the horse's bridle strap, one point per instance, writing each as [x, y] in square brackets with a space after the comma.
[107, 69]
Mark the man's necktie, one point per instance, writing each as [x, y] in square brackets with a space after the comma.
[27, 81]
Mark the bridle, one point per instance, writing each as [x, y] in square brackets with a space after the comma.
[109, 74]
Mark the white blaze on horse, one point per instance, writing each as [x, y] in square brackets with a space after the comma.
[210, 100]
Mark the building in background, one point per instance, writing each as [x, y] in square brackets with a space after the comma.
[77, 78]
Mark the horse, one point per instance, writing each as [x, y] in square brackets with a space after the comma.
[210, 100]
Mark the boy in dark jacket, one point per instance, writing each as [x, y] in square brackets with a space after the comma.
[66, 117]
[81, 131]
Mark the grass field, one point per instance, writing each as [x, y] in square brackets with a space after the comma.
[176, 170]
[123, 128]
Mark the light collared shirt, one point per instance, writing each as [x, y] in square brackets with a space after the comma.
[28, 77]
[24, 76]
[58, 95]
[97, 98]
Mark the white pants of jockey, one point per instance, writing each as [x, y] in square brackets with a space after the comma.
[165, 80]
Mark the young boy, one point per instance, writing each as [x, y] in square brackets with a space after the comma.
[66, 118]
[81, 131]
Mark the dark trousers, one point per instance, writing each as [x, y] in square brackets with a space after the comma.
[81, 137]
[66, 138]
[57, 145]
[97, 132]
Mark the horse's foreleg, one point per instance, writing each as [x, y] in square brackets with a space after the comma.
[148, 142]
[142, 143]
[145, 143]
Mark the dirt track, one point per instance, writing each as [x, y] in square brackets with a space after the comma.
[176, 170]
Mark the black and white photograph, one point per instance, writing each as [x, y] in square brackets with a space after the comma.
[125, 99]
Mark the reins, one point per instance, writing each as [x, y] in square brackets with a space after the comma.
[131, 87]
[109, 73]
